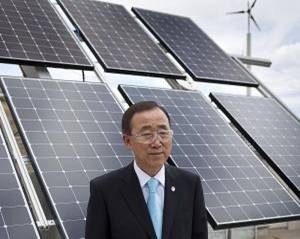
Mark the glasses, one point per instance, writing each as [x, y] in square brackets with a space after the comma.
[164, 136]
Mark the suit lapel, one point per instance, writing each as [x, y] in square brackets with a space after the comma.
[133, 195]
[170, 203]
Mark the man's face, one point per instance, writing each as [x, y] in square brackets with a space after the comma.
[149, 156]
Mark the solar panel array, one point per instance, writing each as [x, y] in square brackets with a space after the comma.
[72, 130]
[15, 218]
[196, 52]
[271, 129]
[238, 188]
[117, 40]
[32, 33]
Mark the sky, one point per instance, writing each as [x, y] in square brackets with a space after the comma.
[278, 40]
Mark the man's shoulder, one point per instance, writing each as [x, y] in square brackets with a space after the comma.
[181, 173]
[111, 177]
[116, 176]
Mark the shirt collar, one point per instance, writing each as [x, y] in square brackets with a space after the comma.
[144, 177]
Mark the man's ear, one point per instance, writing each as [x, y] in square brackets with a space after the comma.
[127, 140]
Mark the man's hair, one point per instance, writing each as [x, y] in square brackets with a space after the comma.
[137, 108]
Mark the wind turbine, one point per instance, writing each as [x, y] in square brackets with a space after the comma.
[250, 18]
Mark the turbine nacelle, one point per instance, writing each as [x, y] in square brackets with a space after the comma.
[250, 16]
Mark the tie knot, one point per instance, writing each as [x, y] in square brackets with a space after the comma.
[152, 185]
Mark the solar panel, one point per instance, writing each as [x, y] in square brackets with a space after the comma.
[31, 32]
[271, 129]
[239, 190]
[15, 218]
[72, 130]
[203, 59]
[119, 43]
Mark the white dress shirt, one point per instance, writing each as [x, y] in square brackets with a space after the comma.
[143, 179]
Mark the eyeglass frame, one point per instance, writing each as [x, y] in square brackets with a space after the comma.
[154, 135]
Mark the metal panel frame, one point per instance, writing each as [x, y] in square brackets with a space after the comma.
[102, 63]
[254, 143]
[49, 63]
[27, 144]
[182, 63]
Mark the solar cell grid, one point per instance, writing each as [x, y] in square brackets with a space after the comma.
[196, 52]
[72, 130]
[31, 32]
[270, 129]
[238, 188]
[15, 218]
[119, 43]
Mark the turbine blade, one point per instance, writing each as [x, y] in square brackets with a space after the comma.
[253, 4]
[237, 12]
[252, 18]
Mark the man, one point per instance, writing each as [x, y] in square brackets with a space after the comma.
[148, 198]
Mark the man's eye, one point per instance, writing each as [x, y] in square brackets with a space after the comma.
[163, 133]
[166, 132]
[146, 135]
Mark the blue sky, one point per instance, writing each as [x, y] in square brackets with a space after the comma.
[278, 40]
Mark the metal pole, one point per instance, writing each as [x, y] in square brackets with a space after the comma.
[83, 76]
[248, 46]
[229, 234]
[16, 154]
[249, 55]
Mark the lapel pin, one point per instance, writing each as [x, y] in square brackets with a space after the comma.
[173, 189]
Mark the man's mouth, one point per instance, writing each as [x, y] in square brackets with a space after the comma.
[156, 153]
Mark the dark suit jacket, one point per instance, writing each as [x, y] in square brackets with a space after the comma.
[117, 208]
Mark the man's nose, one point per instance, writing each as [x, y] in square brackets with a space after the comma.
[156, 140]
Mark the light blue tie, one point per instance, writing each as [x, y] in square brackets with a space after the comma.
[153, 206]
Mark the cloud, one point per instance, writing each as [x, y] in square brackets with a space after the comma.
[286, 57]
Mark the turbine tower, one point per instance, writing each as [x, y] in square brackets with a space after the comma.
[250, 18]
